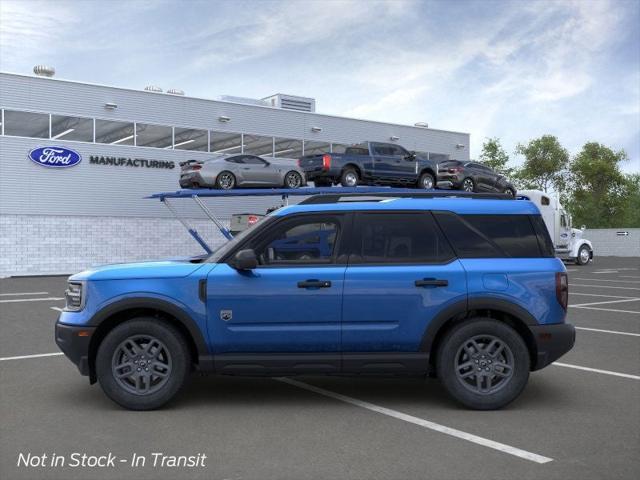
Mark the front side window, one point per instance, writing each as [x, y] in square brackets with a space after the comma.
[253, 160]
[300, 241]
[399, 238]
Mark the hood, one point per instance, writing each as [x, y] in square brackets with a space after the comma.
[139, 270]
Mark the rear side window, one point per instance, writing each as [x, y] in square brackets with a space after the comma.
[399, 238]
[488, 236]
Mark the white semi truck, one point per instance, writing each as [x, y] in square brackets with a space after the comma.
[567, 241]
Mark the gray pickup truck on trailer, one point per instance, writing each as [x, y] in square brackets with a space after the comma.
[371, 163]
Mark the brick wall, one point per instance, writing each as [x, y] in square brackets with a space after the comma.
[607, 242]
[44, 244]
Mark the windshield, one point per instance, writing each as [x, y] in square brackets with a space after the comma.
[224, 249]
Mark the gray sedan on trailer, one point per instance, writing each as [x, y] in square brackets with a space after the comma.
[241, 170]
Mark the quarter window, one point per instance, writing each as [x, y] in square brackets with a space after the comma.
[491, 236]
[399, 238]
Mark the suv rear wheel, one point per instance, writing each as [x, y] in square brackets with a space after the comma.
[483, 364]
[468, 185]
[142, 363]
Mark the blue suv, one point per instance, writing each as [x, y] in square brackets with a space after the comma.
[465, 289]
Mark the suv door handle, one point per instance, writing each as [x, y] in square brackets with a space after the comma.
[431, 282]
[314, 284]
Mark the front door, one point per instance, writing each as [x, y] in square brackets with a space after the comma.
[291, 303]
[257, 171]
[402, 273]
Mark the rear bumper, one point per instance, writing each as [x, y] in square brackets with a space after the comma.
[74, 343]
[552, 341]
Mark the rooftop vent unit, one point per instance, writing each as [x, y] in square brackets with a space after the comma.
[175, 91]
[421, 124]
[44, 71]
[292, 102]
[243, 100]
[153, 88]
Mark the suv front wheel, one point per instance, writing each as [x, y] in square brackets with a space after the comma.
[142, 363]
[483, 363]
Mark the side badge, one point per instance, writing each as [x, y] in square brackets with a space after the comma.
[226, 315]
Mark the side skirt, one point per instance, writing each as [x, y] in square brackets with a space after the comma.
[350, 363]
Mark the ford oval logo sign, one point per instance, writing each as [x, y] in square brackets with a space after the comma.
[56, 157]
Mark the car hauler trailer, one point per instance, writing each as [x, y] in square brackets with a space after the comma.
[567, 241]
[321, 195]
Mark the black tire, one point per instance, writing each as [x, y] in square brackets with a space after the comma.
[349, 178]
[322, 182]
[171, 347]
[584, 255]
[293, 180]
[510, 191]
[468, 185]
[455, 348]
[426, 182]
[225, 180]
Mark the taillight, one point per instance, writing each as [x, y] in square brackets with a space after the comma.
[326, 161]
[299, 162]
[562, 289]
[196, 167]
[455, 170]
[252, 219]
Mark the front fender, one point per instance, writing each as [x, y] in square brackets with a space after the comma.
[578, 244]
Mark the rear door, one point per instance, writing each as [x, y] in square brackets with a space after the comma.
[401, 274]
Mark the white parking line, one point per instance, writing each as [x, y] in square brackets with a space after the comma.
[22, 357]
[608, 331]
[57, 309]
[610, 310]
[597, 370]
[596, 295]
[629, 276]
[632, 299]
[13, 300]
[603, 280]
[603, 286]
[17, 294]
[485, 442]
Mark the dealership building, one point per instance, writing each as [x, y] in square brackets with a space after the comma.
[127, 145]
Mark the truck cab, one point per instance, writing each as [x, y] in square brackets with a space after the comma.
[568, 242]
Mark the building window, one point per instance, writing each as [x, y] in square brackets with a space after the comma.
[316, 148]
[157, 136]
[258, 145]
[191, 139]
[113, 132]
[224, 142]
[287, 148]
[71, 128]
[26, 124]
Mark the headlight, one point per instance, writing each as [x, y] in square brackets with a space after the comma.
[74, 295]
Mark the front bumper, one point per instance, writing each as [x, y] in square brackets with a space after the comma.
[552, 341]
[74, 342]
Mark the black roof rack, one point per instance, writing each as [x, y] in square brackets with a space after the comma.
[400, 193]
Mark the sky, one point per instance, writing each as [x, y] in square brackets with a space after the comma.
[508, 69]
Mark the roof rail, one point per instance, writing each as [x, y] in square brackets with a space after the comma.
[380, 196]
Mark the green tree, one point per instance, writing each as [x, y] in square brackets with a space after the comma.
[544, 165]
[495, 157]
[631, 210]
[599, 192]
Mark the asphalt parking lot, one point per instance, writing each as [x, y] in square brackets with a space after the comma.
[577, 419]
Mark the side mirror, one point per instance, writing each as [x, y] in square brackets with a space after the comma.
[583, 227]
[245, 260]
[411, 156]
